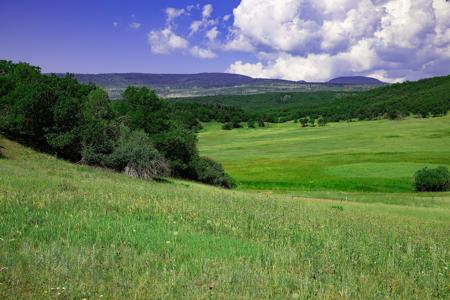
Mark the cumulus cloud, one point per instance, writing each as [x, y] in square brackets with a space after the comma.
[166, 41]
[195, 26]
[212, 34]
[135, 25]
[173, 13]
[202, 53]
[205, 22]
[207, 10]
[315, 40]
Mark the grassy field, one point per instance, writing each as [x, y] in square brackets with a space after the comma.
[74, 232]
[367, 161]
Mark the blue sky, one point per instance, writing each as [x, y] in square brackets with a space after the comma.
[79, 36]
[314, 40]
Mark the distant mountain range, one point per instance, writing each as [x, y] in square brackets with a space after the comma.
[203, 80]
[355, 80]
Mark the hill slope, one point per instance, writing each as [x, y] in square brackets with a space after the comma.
[423, 97]
[71, 231]
[204, 80]
[355, 80]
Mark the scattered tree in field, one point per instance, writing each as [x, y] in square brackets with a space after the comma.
[432, 180]
[303, 122]
[236, 122]
[322, 121]
[261, 122]
[227, 126]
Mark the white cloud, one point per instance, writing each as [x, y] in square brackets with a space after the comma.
[173, 13]
[207, 10]
[318, 39]
[238, 42]
[205, 22]
[135, 25]
[195, 26]
[212, 34]
[115, 24]
[226, 17]
[166, 41]
[202, 53]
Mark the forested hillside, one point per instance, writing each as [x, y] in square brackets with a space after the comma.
[427, 97]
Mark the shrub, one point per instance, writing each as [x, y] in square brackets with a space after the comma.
[261, 122]
[210, 172]
[303, 122]
[432, 180]
[227, 126]
[136, 156]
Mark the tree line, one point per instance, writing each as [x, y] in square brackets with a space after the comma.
[424, 98]
[142, 135]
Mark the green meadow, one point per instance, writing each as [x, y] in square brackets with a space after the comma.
[369, 161]
[75, 232]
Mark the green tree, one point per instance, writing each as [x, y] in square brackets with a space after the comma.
[261, 122]
[303, 122]
[99, 131]
[136, 156]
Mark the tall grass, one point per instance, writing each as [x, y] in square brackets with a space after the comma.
[74, 232]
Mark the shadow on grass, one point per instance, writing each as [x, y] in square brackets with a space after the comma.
[162, 180]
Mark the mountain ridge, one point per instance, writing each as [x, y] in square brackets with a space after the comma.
[203, 80]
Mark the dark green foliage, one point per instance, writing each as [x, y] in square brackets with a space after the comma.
[42, 111]
[179, 147]
[142, 109]
[206, 112]
[303, 122]
[251, 123]
[146, 110]
[432, 180]
[142, 135]
[236, 122]
[423, 98]
[322, 121]
[100, 130]
[227, 126]
[428, 97]
[210, 172]
[261, 122]
[136, 156]
[272, 105]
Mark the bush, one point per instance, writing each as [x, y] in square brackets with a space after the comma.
[432, 180]
[210, 172]
[227, 126]
[137, 157]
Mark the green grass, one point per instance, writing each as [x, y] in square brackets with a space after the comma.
[352, 161]
[72, 232]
